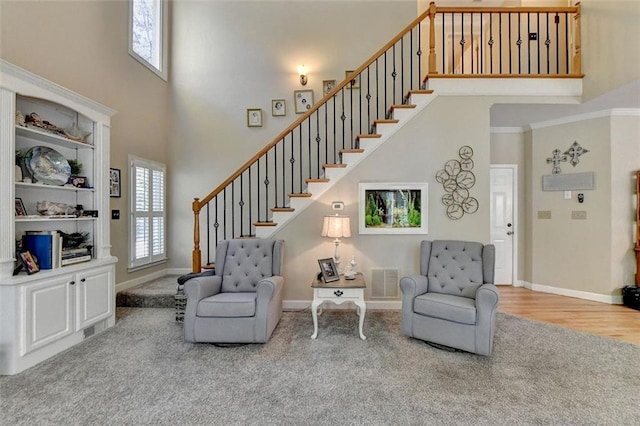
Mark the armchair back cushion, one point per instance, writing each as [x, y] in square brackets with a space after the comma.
[455, 268]
[242, 263]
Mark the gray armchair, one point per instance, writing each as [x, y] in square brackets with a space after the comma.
[242, 302]
[453, 302]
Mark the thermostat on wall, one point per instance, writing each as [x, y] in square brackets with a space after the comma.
[337, 205]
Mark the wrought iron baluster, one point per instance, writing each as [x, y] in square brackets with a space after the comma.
[208, 233]
[547, 42]
[557, 22]
[250, 199]
[538, 41]
[519, 43]
[266, 187]
[300, 157]
[566, 40]
[241, 203]
[462, 43]
[308, 147]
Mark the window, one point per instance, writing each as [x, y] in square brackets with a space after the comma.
[148, 220]
[147, 34]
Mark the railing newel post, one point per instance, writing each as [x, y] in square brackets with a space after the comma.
[432, 38]
[577, 59]
[196, 259]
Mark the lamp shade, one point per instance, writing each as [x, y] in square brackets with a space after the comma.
[336, 227]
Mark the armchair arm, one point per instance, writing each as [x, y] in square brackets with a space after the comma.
[197, 289]
[487, 298]
[268, 305]
[414, 285]
[411, 287]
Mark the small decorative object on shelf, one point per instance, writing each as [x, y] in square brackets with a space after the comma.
[50, 208]
[76, 134]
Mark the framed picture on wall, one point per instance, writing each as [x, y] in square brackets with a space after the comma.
[254, 117]
[303, 100]
[355, 81]
[393, 208]
[328, 86]
[114, 183]
[278, 108]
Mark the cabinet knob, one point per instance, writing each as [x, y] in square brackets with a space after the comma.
[338, 293]
[83, 280]
[72, 283]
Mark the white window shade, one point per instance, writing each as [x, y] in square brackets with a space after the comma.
[148, 210]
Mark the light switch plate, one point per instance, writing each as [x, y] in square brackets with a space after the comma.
[567, 195]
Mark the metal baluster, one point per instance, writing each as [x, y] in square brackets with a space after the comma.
[519, 43]
[566, 40]
[547, 42]
[462, 43]
[500, 40]
[275, 175]
[490, 43]
[207, 209]
[335, 135]
[538, 41]
[250, 199]
[309, 148]
[300, 157]
[557, 22]
[266, 187]
[292, 161]
[242, 202]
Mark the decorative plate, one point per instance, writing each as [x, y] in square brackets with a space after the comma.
[47, 165]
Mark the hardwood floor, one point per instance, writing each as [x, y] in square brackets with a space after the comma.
[614, 321]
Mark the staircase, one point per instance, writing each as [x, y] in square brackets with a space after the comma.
[350, 158]
[373, 103]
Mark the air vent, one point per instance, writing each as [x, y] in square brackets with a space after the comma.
[384, 284]
[89, 331]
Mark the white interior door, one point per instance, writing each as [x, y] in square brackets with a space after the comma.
[502, 225]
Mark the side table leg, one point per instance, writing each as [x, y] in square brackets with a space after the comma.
[314, 315]
[362, 308]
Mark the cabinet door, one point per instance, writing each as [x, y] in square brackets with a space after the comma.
[95, 296]
[48, 309]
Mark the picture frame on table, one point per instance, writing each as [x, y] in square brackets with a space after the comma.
[114, 183]
[329, 270]
[355, 82]
[303, 100]
[254, 117]
[20, 208]
[29, 262]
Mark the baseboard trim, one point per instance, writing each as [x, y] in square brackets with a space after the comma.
[141, 280]
[596, 297]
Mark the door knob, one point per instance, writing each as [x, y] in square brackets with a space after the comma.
[509, 232]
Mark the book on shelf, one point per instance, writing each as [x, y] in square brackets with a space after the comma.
[46, 246]
[76, 259]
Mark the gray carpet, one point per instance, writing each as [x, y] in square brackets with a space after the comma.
[159, 293]
[140, 372]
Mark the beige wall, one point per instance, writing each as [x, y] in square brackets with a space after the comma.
[239, 55]
[568, 253]
[82, 45]
[610, 56]
[414, 154]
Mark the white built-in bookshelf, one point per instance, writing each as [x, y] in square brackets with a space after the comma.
[43, 313]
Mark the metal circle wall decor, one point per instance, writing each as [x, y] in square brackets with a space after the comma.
[457, 179]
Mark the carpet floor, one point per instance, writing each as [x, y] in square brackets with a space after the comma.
[141, 372]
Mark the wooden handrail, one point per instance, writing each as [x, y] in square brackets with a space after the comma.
[507, 9]
[201, 203]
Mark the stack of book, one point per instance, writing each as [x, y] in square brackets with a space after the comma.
[75, 255]
[46, 246]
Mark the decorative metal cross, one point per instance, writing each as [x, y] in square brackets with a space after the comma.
[575, 151]
[557, 158]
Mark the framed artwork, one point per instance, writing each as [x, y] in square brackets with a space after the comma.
[355, 82]
[20, 209]
[29, 262]
[78, 181]
[303, 100]
[254, 117]
[328, 86]
[393, 208]
[278, 108]
[114, 183]
[329, 270]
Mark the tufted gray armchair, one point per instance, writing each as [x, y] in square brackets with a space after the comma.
[453, 302]
[242, 302]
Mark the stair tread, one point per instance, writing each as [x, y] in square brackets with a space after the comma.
[300, 195]
[282, 209]
[265, 224]
[387, 121]
[320, 180]
[352, 151]
[368, 136]
[403, 106]
[334, 166]
[420, 92]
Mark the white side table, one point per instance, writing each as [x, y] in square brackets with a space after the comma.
[339, 292]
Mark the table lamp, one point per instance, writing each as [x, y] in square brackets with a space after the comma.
[336, 227]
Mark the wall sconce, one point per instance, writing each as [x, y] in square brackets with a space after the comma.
[302, 70]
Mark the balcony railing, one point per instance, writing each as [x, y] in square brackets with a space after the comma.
[441, 42]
